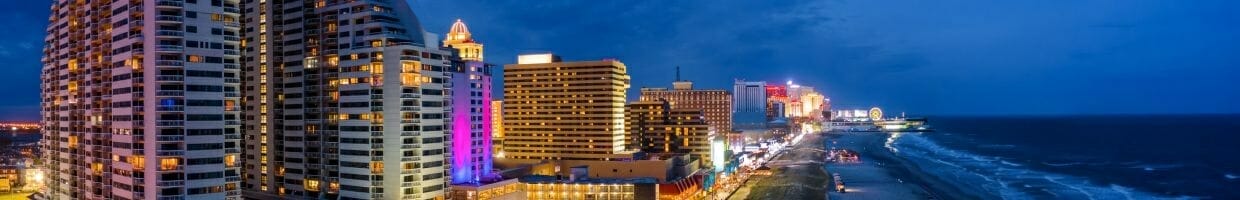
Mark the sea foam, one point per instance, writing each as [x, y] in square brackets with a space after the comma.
[1004, 178]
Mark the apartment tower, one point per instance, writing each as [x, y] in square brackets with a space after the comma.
[139, 100]
[345, 99]
[715, 104]
[556, 110]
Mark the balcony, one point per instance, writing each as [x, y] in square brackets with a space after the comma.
[169, 63]
[169, 4]
[169, 48]
[170, 93]
[231, 52]
[409, 133]
[231, 66]
[410, 146]
[170, 153]
[170, 138]
[170, 108]
[232, 24]
[170, 122]
[170, 78]
[410, 96]
[232, 80]
[170, 33]
[410, 108]
[169, 19]
[170, 183]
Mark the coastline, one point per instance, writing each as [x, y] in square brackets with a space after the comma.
[884, 174]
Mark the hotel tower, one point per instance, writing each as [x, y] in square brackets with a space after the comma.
[344, 99]
[470, 93]
[556, 110]
[140, 100]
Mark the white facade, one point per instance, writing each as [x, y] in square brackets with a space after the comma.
[139, 100]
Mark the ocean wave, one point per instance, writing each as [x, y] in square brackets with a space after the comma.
[1154, 167]
[1061, 164]
[1231, 176]
[1003, 178]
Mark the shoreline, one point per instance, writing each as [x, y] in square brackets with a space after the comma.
[884, 174]
[935, 187]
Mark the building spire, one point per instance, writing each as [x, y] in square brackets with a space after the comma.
[677, 72]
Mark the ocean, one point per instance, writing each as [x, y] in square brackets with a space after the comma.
[1081, 157]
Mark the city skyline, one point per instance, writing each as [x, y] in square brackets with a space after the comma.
[860, 59]
[684, 100]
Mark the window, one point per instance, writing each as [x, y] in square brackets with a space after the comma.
[169, 163]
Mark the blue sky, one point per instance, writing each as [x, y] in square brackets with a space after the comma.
[949, 57]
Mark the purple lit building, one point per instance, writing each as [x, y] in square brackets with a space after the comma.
[471, 122]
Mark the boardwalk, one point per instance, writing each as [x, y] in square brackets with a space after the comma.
[795, 176]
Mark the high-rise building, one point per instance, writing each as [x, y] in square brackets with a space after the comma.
[497, 128]
[665, 127]
[715, 104]
[556, 110]
[460, 39]
[139, 100]
[344, 100]
[776, 98]
[749, 105]
[471, 122]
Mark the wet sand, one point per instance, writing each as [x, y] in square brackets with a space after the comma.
[883, 174]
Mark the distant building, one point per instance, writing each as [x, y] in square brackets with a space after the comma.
[776, 98]
[715, 104]
[663, 127]
[497, 128]
[749, 101]
[556, 110]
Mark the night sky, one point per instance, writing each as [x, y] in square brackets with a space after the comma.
[948, 57]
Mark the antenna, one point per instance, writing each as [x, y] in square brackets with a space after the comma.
[677, 72]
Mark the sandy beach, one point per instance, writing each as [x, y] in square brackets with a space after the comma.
[881, 174]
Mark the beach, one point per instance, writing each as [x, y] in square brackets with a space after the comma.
[882, 174]
[796, 173]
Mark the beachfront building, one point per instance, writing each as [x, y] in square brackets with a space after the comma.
[749, 101]
[344, 100]
[716, 105]
[664, 127]
[140, 100]
[555, 110]
[470, 93]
